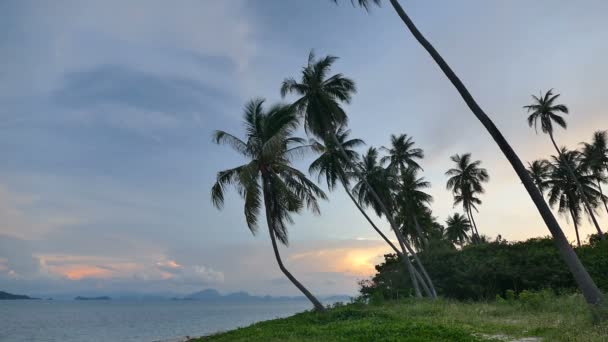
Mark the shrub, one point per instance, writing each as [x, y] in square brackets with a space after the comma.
[485, 271]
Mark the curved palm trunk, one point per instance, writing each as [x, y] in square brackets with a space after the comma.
[578, 239]
[587, 286]
[318, 306]
[423, 269]
[579, 188]
[388, 215]
[399, 253]
[599, 186]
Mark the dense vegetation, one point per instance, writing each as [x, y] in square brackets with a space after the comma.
[487, 270]
[539, 315]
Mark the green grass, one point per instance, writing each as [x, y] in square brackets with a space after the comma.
[550, 318]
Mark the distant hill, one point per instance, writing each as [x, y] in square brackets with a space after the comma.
[92, 298]
[212, 295]
[10, 296]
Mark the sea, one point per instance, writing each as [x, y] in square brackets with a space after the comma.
[131, 320]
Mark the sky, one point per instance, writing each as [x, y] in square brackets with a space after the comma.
[107, 110]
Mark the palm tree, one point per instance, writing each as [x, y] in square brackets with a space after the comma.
[332, 166]
[457, 227]
[374, 189]
[412, 202]
[465, 181]
[586, 284]
[595, 159]
[545, 109]
[563, 190]
[402, 153]
[539, 171]
[268, 178]
[319, 103]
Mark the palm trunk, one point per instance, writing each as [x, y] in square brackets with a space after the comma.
[474, 224]
[579, 188]
[318, 306]
[406, 263]
[423, 269]
[473, 234]
[383, 208]
[599, 186]
[578, 239]
[425, 241]
[408, 266]
[585, 283]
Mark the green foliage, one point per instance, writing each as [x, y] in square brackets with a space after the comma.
[542, 315]
[484, 271]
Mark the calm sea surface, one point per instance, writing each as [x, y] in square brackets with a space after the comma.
[119, 320]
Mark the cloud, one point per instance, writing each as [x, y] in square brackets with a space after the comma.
[119, 85]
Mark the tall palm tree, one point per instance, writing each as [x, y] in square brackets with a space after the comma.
[402, 154]
[563, 190]
[539, 171]
[465, 181]
[332, 166]
[590, 291]
[457, 227]
[545, 110]
[319, 102]
[412, 202]
[268, 178]
[595, 158]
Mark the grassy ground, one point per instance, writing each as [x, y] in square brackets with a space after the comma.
[547, 318]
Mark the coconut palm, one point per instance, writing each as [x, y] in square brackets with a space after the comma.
[375, 182]
[563, 190]
[319, 102]
[412, 203]
[457, 227]
[595, 159]
[268, 179]
[402, 154]
[465, 181]
[331, 166]
[586, 284]
[539, 171]
[545, 110]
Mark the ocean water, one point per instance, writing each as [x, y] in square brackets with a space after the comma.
[121, 320]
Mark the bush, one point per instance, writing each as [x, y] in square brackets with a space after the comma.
[485, 271]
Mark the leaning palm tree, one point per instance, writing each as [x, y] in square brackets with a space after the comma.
[331, 166]
[268, 179]
[539, 171]
[545, 110]
[374, 188]
[590, 291]
[412, 202]
[595, 159]
[563, 190]
[402, 154]
[457, 227]
[465, 181]
[319, 102]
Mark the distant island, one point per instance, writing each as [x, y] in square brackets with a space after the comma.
[10, 296]
[92, 298]
[212, 295]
